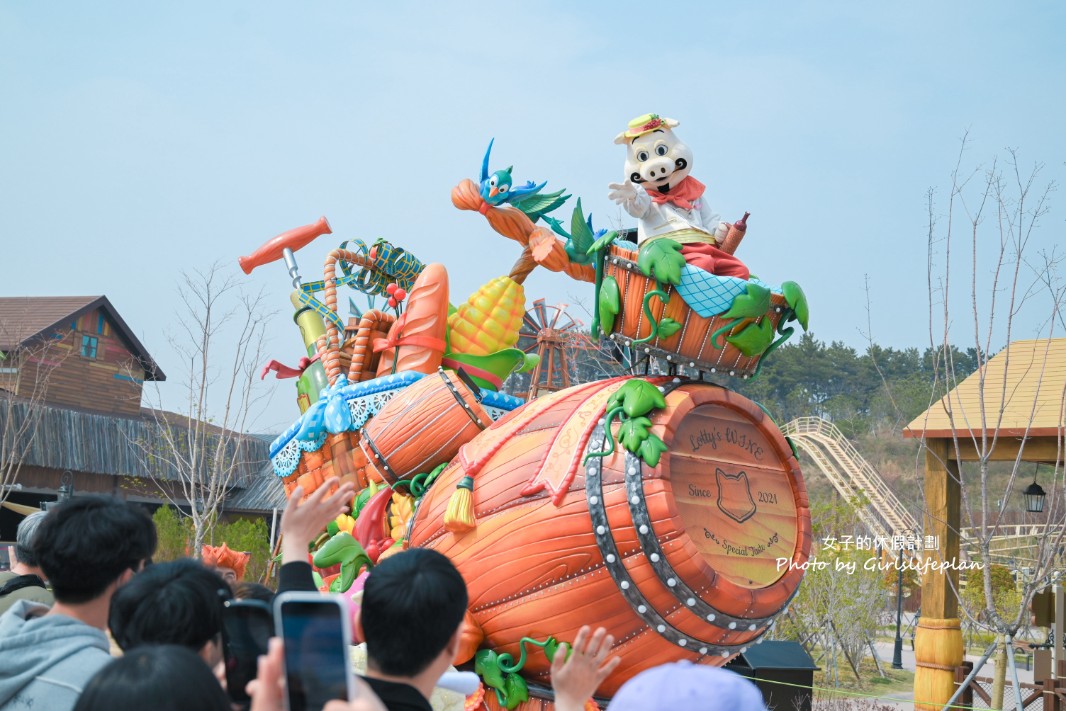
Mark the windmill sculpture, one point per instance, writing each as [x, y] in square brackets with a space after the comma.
[553, 335]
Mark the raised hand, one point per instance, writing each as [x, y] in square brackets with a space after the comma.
[576, 678]
[303, 520]
[621, 192]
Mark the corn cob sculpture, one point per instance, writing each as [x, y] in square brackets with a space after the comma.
[490, 319]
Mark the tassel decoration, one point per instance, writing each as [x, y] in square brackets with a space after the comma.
[459, 517]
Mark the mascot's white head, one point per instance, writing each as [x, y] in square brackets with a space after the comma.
[656, 158]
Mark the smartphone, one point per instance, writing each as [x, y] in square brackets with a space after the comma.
[316, 630]
[247, 627]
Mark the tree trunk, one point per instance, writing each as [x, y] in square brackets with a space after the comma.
[1001, 674]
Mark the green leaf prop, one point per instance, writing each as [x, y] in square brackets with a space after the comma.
[797, 301]
[515, 691]
[550, 648]
[530, 363]
[651, 449]
[609, 303]
[581, 239]
[752, 304]
[603, 242]
[662, 259]
[668, 327]
[637, 397]
[754, 339]
[633, 432]
[487, 666]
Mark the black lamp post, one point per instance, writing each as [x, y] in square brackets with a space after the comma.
[66, 490]
[897, 650]
[1034, 498]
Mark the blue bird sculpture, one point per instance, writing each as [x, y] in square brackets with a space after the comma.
[498, 188]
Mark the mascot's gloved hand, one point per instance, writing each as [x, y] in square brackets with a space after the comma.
[621, 192]
[721, 232]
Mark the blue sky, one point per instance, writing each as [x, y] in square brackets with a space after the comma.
[139, 139]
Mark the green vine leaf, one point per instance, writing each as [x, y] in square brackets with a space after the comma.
[637, 397]
[515, 691]
[550, 648]
[797, 301]
[487, 666]
[661, 258]
[754, 339]
[633, 432]
[651, 449]
[668, 327]
[609, 303]
[752, 304]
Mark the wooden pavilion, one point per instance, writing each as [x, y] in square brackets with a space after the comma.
[1011, 409]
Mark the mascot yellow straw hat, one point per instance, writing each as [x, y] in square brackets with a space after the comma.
[645, 124]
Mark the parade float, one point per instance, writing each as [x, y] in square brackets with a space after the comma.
[666, 508]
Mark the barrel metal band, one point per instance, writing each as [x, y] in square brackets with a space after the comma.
[459, 398]
[613, 561]
[381, 461]
[677, 586]
[638, 509]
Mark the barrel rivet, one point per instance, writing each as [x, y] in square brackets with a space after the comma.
[641, 609]
[692, 364]
[611, 558]
[647, 350]
[732, 372]
[743, 649]
[714, 370]
[635, 500]
[759, 641]
[624, 584]
[654, 557]
[594, 500]
[660, 629]
[669, 357]
[703, 650]
[643, 530]
[600, 530]
[671, 582]
[710, 617]
[732, 625]
[676, 380]
[691, 601]
[725, 652]
[751, 627]
[682, 642]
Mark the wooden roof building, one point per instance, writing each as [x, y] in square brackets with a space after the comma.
[1018, 397]
[1012, 408]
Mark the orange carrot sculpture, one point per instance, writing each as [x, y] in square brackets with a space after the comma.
[416, 341]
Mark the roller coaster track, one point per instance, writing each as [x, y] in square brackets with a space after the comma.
[852, 476]
[880, 510]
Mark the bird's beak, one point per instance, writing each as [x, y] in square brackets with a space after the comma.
[494, 192]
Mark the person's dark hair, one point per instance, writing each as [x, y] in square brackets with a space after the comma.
[85, 544]
[253, 591]
[178, 602]
[413, 603]
[24, 537]
[161, 678]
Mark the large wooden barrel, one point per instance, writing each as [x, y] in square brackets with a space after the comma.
[423, 426]
[693, 345]
[689, 559]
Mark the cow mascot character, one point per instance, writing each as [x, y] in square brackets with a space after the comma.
[666, 200]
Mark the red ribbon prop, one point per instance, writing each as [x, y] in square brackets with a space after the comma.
[283, 371]
[395, 340]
